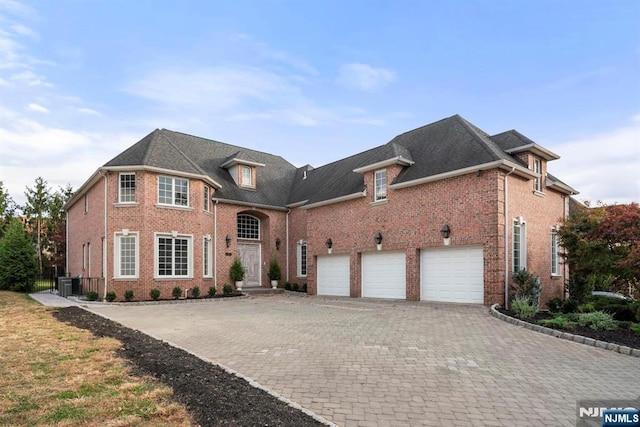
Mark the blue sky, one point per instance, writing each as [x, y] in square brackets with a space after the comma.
[316, 81]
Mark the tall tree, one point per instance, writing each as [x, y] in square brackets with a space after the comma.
[7, 208]
[55, 242]
[36, 210]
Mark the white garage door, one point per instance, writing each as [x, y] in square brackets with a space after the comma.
[452, 274]
[384, 275]
[333, 275]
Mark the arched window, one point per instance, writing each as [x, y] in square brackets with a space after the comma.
[248, 227]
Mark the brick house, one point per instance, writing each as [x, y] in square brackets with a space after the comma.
[444, 212]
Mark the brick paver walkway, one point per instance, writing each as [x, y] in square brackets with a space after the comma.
[381, 363]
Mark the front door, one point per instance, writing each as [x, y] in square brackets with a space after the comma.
[250, 257]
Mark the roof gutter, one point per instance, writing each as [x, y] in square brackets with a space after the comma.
[536, 149]
[253, 205]
[398, 160]
[500, 164]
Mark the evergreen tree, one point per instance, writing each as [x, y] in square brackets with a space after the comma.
[18, 263]
[7, 208]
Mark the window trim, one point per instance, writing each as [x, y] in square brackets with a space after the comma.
[238, 227]
[173, 191]
[537, 168]
[120, 188]
[376, 198]
[522, 245]
[300, 265]
[156, 258]
[207, 270]
[117, 262]
[555, 254]
[242, 181]
[207, 198]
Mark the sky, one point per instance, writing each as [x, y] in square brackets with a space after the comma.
[318, 80]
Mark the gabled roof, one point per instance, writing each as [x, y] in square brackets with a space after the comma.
[174, 151]
[448, 147]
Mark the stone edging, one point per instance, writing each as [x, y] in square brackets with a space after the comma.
[566, 335]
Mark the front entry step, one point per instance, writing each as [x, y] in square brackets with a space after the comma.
[262, 291]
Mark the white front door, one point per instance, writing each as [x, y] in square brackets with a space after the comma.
[250, 256]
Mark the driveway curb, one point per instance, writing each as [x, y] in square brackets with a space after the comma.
[565, 335]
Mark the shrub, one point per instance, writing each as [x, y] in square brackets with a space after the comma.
[558, 322]
[212, 291]
[195, 291]
[176, 292]
[579, 288]
[128, 295]
[295, 287]
[525, 284]
[110, 297]
[587, 307]
[92, 296]
[304, 287]
[635, 327]
[154, 294]
[227, 289]
[570, 306]
[621, 309]
[523, 307]
[275, 273]
[555, 304]
[237, 270]
[287, 286]
[18, 262]
[597, 320]
[638, 313]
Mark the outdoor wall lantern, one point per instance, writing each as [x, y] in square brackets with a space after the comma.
[378, 240]
[446, 232]
[278, 244]
[329, 244]
[228, 240]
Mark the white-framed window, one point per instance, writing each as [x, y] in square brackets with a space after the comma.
[126, 255]
[173, 256]
[537, 168]
[246, 176]
[127, 185]
[301, 255]
[248, 227]
[380, 178]
[206, 257]
[519, 245]
[555, 254]
[207, 198]
[86, 203]
[173, 191]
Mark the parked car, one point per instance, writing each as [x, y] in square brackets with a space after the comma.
[611, 295]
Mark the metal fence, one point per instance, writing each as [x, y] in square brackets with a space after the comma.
[79, 286]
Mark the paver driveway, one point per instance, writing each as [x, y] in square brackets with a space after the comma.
[374, 363]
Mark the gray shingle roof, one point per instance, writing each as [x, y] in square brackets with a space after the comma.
[444, 146]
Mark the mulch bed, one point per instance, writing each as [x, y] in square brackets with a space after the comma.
[212, 396]
[621, 336]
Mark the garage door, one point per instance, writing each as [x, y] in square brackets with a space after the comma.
[333, 275]
[384, 275]
[452, 274]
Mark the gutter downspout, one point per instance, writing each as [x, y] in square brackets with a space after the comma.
[506, 239]
[564, 264]
[287, 241]
[215, 243]
[106, 239]
[66, 247]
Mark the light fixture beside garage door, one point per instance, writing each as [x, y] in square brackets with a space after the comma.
[446, 232]
[378, 240]
[329, 244]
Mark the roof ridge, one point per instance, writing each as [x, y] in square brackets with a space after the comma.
[482, 137]
[187, 158]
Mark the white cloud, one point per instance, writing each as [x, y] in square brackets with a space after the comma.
[23, 30]
[603, 167]
[31, 79]
[365, 77]
[37, 108]
[88, 111]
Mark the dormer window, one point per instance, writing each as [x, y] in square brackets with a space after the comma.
[246, 176]
[537, 168]
[380, 185]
